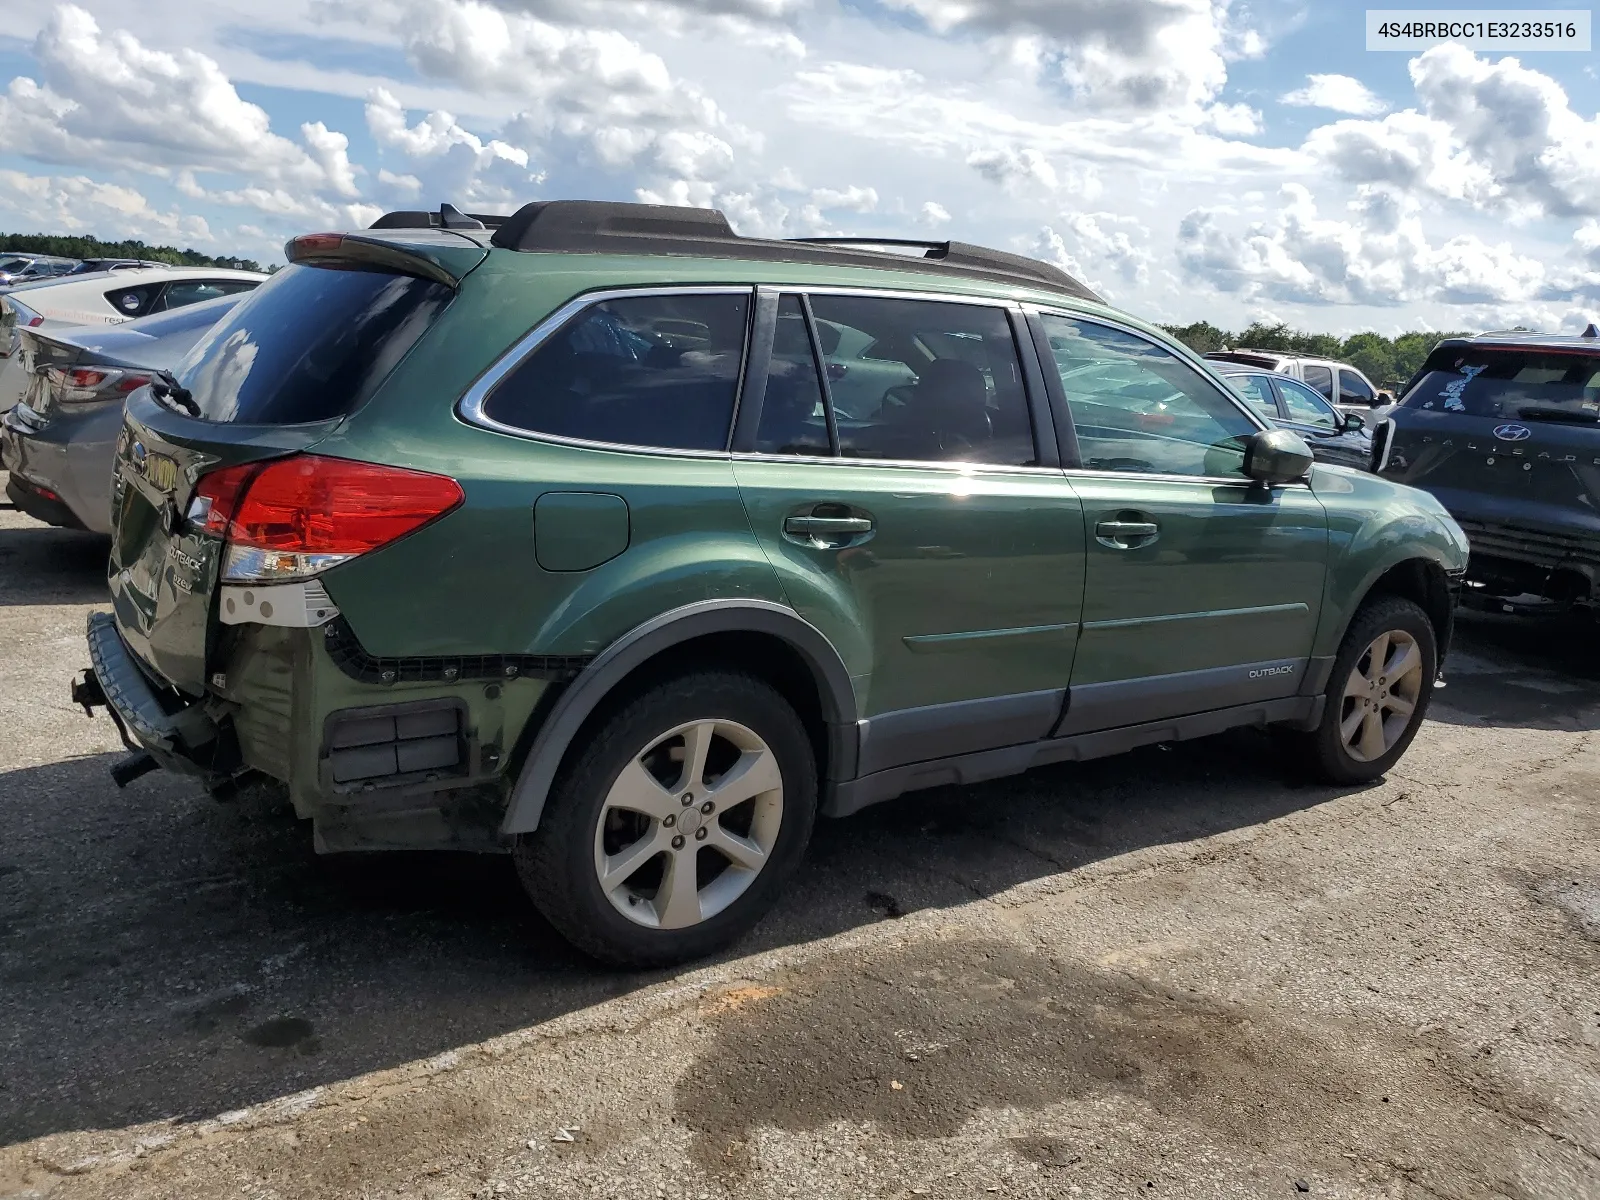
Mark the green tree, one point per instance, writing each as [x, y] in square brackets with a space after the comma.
[82, 246]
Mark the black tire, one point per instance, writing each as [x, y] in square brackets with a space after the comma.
[1323, 750]
[556, 862]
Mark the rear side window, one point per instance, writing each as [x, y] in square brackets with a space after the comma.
[1354, 389]
[1509, 383]
[1257, 390]
[1320, 378]
[310, 344]
[134, 301]
[193, 291]
[924, 381]
[659, 370]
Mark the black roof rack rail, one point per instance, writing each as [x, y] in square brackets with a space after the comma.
[447, 217]
[598, 226]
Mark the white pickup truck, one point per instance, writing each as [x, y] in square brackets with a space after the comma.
[1341, 383]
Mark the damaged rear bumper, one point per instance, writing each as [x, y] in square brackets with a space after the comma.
[155, 722]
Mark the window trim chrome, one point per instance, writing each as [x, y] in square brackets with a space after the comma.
[470, 408]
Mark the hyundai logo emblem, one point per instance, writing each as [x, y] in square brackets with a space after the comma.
[1513, 433]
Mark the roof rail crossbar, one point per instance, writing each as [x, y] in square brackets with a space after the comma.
[601, 226]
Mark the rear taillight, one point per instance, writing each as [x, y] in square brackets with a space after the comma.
[78, 385]
[294, 517]
[35, 321]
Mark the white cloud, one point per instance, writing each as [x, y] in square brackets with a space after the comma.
[1341, 93]
[1379, 256]
[933, 214]
[1497, 136]
[1088, 242]
[855, 199]
[78, 204]
[446, 161]
[107, 97]
[1145, 55]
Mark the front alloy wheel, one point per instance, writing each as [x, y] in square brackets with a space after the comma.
[689, 824]
[1381, 695]
[1377, 693]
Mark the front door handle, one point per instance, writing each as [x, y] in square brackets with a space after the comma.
[827, 526]
[1126, 535]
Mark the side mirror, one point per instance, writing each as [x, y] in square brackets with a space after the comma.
[1382, 399]
[1277, 456]
[1354, 422]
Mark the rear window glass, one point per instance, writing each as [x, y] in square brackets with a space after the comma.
[310, 344]
[658, 370]
[1509, 383]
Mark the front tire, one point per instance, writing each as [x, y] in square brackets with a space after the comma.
[675, 827]
[1378, 693]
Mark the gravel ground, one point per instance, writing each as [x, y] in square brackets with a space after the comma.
[1178, 972]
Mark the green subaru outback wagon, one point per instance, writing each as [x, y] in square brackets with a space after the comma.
[603, 536]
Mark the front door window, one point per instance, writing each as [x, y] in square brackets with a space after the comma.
[1137, 407]
[1306, 407]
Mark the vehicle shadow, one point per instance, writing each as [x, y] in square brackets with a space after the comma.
[166, 956]
[1522, 672]
[40, 564]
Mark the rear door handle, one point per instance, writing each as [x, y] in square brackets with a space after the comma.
[1126, 535]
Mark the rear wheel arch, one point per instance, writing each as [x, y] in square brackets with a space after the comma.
[754, 636]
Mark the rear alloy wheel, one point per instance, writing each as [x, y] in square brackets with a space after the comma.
[679, 820]
[689, 824]
[1378, 693]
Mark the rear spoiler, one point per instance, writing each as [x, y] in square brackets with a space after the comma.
[445, 260]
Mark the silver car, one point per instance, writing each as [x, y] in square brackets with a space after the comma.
[59, 440]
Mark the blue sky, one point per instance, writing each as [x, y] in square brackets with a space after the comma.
[1190, 158]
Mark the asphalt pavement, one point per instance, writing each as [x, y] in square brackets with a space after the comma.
[1184, 971]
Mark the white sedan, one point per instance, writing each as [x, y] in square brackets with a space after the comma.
[102, 298]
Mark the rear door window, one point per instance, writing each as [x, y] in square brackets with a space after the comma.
[794, 416]
[310, 344]
[659, 370]
[924, 381]
[1509, 383]
[1354, 390]
[1257, 391]
[1320, 378]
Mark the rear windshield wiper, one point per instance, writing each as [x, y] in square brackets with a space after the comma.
[1580, 416]
[165, 386]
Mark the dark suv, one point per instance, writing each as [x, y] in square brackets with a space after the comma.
[1504, 428]
[628, 545]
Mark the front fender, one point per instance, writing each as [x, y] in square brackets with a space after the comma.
[1375, 525]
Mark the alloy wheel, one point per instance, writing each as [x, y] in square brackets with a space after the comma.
[1381, 695]
[689, 824]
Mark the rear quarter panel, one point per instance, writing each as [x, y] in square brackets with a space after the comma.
[1374, 525]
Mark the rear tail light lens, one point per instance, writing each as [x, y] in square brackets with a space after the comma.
[296, 517]
[77, 385]
[35, 321]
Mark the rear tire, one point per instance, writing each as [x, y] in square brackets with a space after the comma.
[635, 874]
[1377, 694]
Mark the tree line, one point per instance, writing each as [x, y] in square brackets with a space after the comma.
[80, 246]
[1388, 362]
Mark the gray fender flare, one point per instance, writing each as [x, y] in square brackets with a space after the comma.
[643, 643]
